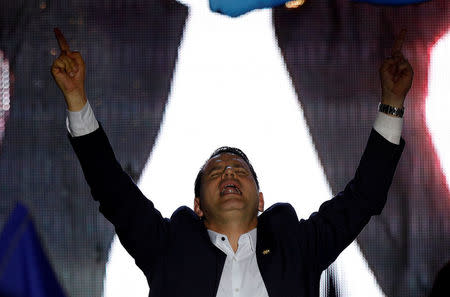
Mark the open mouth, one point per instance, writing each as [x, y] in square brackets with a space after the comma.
[230, 188]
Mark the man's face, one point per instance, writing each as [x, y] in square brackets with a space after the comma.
[228, 190]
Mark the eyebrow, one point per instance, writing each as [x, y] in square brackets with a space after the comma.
[212, 169]
[235, 164]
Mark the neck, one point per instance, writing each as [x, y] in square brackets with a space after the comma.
[232, 229]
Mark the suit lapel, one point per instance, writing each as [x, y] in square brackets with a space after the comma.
[266, 258]
[214, 276]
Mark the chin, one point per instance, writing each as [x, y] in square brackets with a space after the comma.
[233, 204]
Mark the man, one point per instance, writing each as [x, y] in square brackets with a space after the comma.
[223, 248]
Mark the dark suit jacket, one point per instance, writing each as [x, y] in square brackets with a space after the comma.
[177, 256]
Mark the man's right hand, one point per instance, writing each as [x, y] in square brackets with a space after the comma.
[69, 72]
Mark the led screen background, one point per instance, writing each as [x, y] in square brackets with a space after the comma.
[332, 50]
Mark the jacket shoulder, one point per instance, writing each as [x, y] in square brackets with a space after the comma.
[184, 213]
[184, 218]
[279, 214]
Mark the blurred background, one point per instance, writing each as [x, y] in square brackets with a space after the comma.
[138, 55]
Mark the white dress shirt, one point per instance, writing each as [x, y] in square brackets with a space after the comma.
[240, 275]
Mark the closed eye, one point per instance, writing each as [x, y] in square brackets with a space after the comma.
[214, 174]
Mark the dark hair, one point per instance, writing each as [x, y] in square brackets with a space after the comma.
[219, 151]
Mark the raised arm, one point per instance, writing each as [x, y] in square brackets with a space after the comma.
[140, 227]
[339, 220]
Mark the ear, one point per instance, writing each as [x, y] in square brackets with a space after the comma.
[260, 202]
[197, 208]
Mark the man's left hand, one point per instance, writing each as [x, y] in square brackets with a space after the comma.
[396, 75]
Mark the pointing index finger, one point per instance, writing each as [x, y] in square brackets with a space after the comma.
[399, 42]
[62, 42]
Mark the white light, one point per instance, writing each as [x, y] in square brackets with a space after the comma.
[4, 93]
[231, 87]
[438, 103]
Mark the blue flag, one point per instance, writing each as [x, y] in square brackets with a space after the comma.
[392, 2]
[235, 8]
[24, 268]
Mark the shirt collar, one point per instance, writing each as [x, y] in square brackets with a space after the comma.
[215, 236]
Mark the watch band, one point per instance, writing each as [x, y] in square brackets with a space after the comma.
[391, 110]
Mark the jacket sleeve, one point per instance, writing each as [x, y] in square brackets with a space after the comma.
[339, 220]
[140, 227]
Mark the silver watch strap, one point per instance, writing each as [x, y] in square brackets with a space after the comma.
[387, 109]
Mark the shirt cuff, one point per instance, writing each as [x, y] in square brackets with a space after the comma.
[81, 122]
[389, 127]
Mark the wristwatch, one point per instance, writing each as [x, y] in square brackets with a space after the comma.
[391, 110]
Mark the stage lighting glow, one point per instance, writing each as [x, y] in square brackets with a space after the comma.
[438, 103]
[231, 87]
[294, 4]
[4, 93]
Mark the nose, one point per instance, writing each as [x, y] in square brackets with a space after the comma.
[229, 171]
